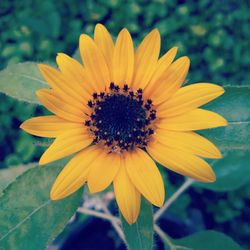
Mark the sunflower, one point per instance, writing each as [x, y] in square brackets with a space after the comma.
[120, 112]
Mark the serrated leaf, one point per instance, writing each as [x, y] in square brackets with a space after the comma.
[208, 240]
[233, 170]
[139, 236]
[29, 220]
[21, 81]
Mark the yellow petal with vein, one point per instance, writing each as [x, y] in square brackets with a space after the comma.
[123, 59]
[74, 174]
[127, 196]
[60, 107]
[181, 162]
[162, 66]
[188, 98]
[193, 120]
[105, 43]
[189, 142]
[103, 170]
[75, 73]
[171, 80]
[67, 143]
[61, 84]
[95, 63]
[146, 57]
[145, 175]
[48, 126]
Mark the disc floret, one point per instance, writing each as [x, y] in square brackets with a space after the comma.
[120, 118]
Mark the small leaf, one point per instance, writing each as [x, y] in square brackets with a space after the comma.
[139, 236]
[21, 81]
[208, 240]
[29, 220]
[234, 140]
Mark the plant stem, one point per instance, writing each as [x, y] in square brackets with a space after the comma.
[164, 237]
[174, 197]
[167, 240]
[114, 223]
[97, 214]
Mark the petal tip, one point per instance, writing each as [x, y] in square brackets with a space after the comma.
[186, 59]
[92, 189]
[99, 26]
[43, 160]
[22, 126]
[224, 122]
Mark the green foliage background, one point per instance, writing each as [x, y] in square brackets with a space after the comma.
[214, 34]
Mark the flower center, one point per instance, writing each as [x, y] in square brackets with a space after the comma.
[121, 119]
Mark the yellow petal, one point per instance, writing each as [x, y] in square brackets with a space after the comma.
[145, 175]
[59, 107]
[171, 81]
[123, 59]
[146, 58]
[95, 63]
[193, 120]
[67, 143]
[127, 196]
[48, 126]
[61, 84]
[105, 43]
[74, 174]
[75, 73]
[189, 142]
[188, 98]
[161, 68]
[181, 162]
[103, 170]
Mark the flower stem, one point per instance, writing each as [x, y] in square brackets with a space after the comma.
[164, 237]
[174, 197]
[115, 223]
[98, 214]
[167, 240]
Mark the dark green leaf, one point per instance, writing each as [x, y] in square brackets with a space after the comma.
[234, 140]
[139, 236]
[21, 81]
[29, 220]
[234, 105]
[8, 175]
[232, 172]
[208, 240]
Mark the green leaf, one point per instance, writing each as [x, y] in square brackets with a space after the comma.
[208, 240]
[21, 81]
[139, 236]
[233, 170]
[8, 175]
[29, 220]
[234, 105]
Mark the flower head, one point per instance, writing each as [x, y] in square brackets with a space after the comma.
[119, 111]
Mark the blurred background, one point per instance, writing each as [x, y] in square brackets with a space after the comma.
[214, 34]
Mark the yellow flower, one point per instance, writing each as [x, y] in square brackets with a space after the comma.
[121, 110]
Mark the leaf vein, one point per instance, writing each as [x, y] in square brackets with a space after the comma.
[24, 220]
